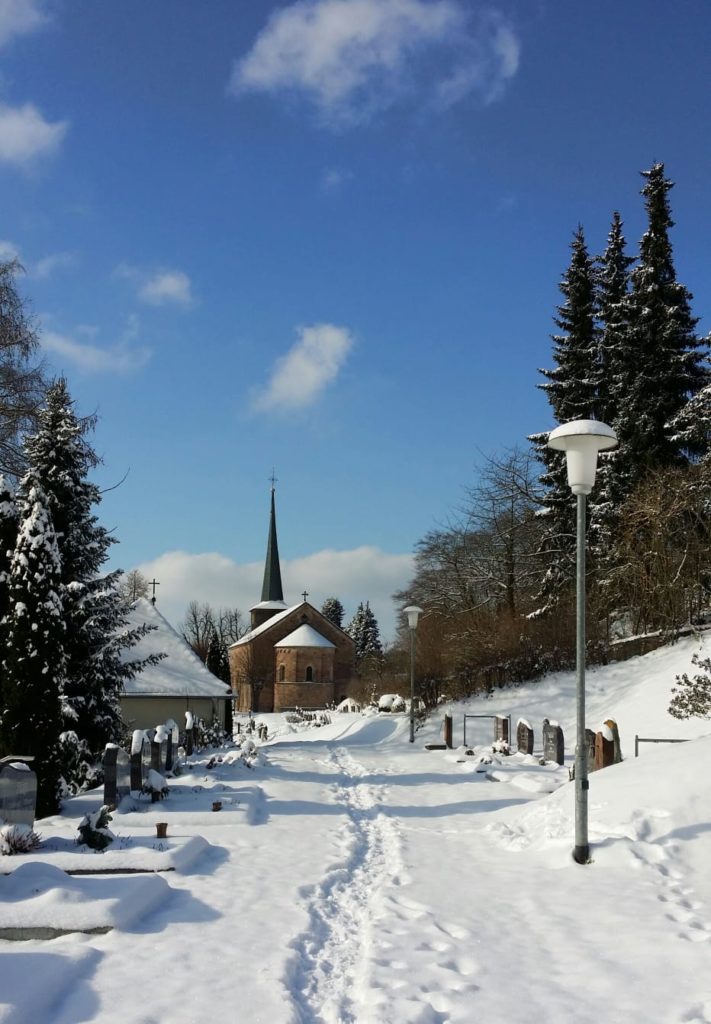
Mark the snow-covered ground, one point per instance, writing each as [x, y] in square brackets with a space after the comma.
[352, 877]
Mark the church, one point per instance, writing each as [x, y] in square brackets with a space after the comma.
[293, 656]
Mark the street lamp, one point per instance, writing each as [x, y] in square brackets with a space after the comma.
[581, 440]
[413, 613]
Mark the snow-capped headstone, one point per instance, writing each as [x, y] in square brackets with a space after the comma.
[159, 746]
[501, 728]
[607, 745]
[553, 743]
[524, 737]
[189, 726]
[18, 792]
[117, 775]
[140, 752]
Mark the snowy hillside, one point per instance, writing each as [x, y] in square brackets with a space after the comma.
[353, 878]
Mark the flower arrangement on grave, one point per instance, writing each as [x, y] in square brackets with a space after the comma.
[156, 785]
[17, 838]
[94, 830]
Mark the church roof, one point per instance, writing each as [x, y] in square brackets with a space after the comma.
[264, 626]
[271, 585]
[278, 605]
[305, 636]
[180, 674]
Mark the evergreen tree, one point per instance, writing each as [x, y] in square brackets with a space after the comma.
[333, 610]
[692, 696]
[34, 664]
[666, 365]
[572, 388]
[8, 537]
[217, 660]
[364, 630]
[616, 362]
[61, 458]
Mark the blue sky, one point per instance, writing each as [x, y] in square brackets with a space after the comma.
[325, 237]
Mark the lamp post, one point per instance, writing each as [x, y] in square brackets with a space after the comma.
[413, 613]
[581, 441]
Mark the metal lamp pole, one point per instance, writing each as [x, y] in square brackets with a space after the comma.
[413, 613]
[581, 441]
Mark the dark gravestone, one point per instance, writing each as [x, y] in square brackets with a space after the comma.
[612, 726]
[171, 744]
[117, 775]
[590, 749]
[189, 725]
[553, 746]
[140, 752]
[448, 724]
[604, 751]
[524, 737]
[501, 728]
[18, 792]
[159, 748]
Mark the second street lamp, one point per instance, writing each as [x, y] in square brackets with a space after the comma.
[413, 613]
[581, 441]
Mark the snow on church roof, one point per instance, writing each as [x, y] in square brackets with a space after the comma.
[305, 636]
[180, 674]
[264, 626]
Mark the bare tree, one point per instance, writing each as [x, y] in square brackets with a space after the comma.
[133, 585]
[202, 622]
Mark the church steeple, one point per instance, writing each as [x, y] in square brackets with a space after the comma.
[272, 601]
[271, 587]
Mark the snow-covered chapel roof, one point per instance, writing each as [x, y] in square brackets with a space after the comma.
[180, 674]
[305, 636]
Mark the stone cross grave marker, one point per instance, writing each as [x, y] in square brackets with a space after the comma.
[553, 745]
[18, 792]
[117, 774]
[524, 737]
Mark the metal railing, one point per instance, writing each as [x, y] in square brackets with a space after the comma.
[650, 739]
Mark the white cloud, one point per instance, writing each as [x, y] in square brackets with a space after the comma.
[333, 177]
[354, 58]
[361, 574]
[8, 251]
[161, 287]
[18, 17]
[25, 135]
[47, 266]
[123, 357]
[299, 377]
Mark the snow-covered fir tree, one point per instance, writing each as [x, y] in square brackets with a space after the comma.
[572, 388]
[364, 630]
[8, 536]
[33, 663]
[616, 374]
[668, 359]
[333, 610]
[60, 457]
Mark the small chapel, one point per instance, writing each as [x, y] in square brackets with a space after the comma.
[293, 656]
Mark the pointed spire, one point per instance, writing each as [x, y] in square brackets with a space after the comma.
[271, 587]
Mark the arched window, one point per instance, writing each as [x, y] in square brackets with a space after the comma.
[309, 674]
[282, 673]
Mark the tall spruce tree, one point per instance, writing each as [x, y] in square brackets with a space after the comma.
[615, 348]
[333, 610]
[60, 457]
[572, 388]
[34, 663]
[666, 365]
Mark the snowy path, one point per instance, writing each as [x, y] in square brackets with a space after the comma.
[332, 956]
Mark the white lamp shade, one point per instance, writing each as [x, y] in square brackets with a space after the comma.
[581, 440]
[413, 613]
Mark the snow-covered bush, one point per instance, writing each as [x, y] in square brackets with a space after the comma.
[391, 702]
[156, 785]
[212, 735]
[94, 830]
[17, 838]
[692, 696]
[77, 766]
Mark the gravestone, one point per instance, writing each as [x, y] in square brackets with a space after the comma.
[524, 737]
[117, 775]
[448, 726]
[171, 744]
[140, 755]
[189, 726]
[159, 746]
[553, 745]
[501, 728]
[607, 745]
[590, 749]
[18, 792]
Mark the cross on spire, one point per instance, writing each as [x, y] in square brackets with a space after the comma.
[273, 479]
[153, 583]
